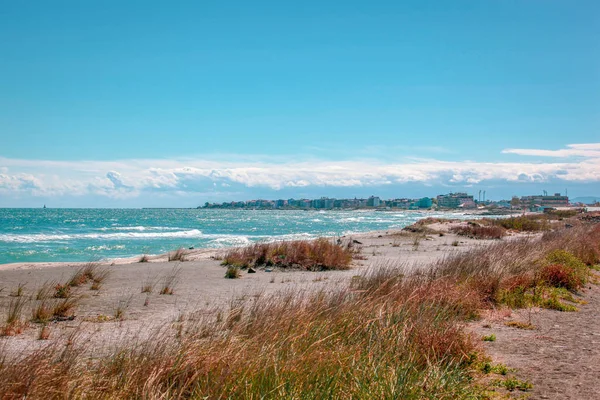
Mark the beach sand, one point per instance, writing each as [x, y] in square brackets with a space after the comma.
[199, 285]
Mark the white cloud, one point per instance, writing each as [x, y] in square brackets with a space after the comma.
[572, 150]
[131, 178]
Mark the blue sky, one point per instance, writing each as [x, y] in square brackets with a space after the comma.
[148, 103]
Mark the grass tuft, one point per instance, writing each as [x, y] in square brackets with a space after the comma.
[232, 272]
[178, 255]
[489, 338]
[476, 231]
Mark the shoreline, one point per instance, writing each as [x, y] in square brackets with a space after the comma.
[207, 252]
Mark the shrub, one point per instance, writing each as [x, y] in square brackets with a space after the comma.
[476, 231]
[318, 254]
[489, 338]
[526, 223]
[232, 272]
[559, 275]
[565, 270]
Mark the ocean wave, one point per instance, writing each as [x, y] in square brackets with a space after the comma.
[139, 228]
[41, 237]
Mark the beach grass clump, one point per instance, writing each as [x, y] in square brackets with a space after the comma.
[489, 338]
[121, 307]
[476, 231]
[178, 255]
[232, 272]
[170, 281]
[42, 311]
[64, 309]
[520, 325]
[523, 223]
[14, 324]
[62, 291]
[318, 254]
[19, 290]
[148, 285]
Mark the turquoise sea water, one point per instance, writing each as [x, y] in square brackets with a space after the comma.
[35, 235]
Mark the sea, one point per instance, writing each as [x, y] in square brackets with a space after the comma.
[65, 235]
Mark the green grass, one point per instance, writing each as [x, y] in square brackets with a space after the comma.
[489, 338]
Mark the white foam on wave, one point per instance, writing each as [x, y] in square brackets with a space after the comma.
[139, 228]
[41, 237]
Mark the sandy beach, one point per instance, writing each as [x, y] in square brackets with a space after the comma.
[200, 284]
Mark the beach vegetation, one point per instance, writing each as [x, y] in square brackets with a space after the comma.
[489, 338]
[512, 383]
[42, 311]
[64, 309]
[19, 290]
[62, 291]
[476, 231]
[44, 333]
[45, 290]
[148, 285]
[318, 254]
[523, 223]
[121, 307]
[520, 325]
[170, 281]
[13, 323]
[178, 255]
[232, 272]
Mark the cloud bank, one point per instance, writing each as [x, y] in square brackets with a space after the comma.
[19, 178]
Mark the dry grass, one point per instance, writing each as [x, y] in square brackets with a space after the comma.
[44, 333]
[148, 285]
[19, 290]
[178, 255]
[232, 272]
[121, 307]
[403, 341]
[170, 281]
[476, 231]
[523, 223]
[13, 324]
[319, 254]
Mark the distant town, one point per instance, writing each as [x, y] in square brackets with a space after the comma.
[450, 201]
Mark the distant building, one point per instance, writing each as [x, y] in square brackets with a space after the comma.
[541, 202]
[454, 200]
[373, 201]
[425, 202]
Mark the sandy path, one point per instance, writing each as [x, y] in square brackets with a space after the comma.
[561, 358]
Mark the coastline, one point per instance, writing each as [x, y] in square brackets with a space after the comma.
[200, 253]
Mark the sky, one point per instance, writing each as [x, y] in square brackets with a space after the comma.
[157, 104]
